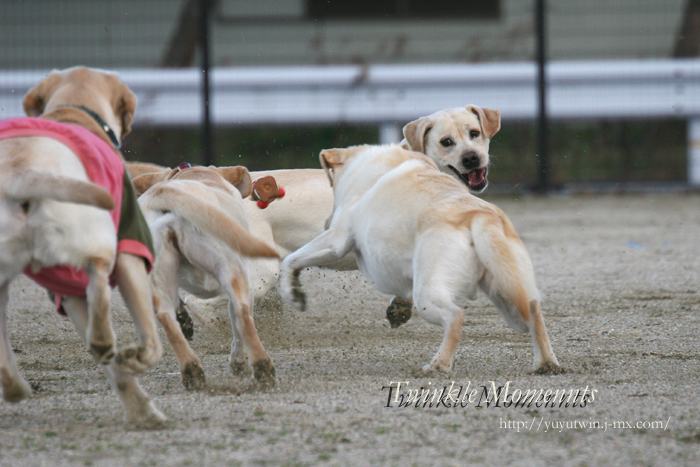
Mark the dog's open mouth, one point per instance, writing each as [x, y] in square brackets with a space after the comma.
[474, 179]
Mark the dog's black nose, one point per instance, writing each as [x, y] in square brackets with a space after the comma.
[470, 160]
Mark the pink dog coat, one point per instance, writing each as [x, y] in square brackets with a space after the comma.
[104, 167]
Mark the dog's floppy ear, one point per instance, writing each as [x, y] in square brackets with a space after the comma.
[237, 176]
[37, 97]
[415, 133]
[135, 169]
[490, 119]
[330, 159]
[125, 107]
[146, 181]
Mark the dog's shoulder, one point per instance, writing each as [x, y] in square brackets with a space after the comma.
[387, 157]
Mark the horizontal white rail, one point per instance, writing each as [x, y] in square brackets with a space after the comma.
[387, 94]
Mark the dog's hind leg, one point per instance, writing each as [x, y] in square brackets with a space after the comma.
[238, 360]
[14, 388]
[164, 280]
[240, 310]
[526, 317]
[509, 281]
[134, 287]
[137, 406]
[101, 340]
[444, 269]
[435, 306]
[545, 362]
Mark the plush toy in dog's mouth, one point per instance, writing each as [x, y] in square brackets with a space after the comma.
[474, 179]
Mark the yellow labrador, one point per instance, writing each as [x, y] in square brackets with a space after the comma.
[53, 218]
[419, 235]
[287, 224]
[456, 139]
[200, 231]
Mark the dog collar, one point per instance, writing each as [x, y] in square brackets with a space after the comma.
[100, 121]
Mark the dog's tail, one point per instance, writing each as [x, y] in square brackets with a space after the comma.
[509, 277]
[38, 184]
[207, 217]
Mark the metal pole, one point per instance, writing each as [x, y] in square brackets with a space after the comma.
[694, 151]
[207, 136]
[542, 123]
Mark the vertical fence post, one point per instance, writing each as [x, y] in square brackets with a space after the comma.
[390, 133]
[694, 151]
[542, 122]
[207, 135]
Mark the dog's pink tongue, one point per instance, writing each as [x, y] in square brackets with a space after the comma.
[476, 176]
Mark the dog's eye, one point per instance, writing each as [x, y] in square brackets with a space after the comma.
[25, 206]
[474, 134]
[447, 142]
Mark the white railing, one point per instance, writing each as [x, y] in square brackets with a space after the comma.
[392, 95]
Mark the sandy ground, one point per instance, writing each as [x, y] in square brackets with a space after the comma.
[620, 277]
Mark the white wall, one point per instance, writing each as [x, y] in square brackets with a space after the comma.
[579, 29]
[45, 34]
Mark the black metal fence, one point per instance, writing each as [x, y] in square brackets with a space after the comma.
[118, 34]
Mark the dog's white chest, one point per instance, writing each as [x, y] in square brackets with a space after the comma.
[390, 274]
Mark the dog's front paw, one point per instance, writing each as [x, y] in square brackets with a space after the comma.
[136, 359]
[183, 317]
[14, 389]
[549, 368]
[298, 299]
[291, 291]
[148, 417]
[264, 372]
[398, 312]
[100, 337]
[102, 353]
[193, 376]
[435, 368]
[239, 367]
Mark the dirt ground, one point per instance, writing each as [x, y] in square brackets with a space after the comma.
[620, 279]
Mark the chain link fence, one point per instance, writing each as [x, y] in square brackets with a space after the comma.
[144, 34]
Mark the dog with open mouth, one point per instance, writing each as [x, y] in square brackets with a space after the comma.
[418, 235]
[457, 140]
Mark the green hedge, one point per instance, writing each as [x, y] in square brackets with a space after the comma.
[599, 151]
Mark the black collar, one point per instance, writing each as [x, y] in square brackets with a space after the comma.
[112, 135]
